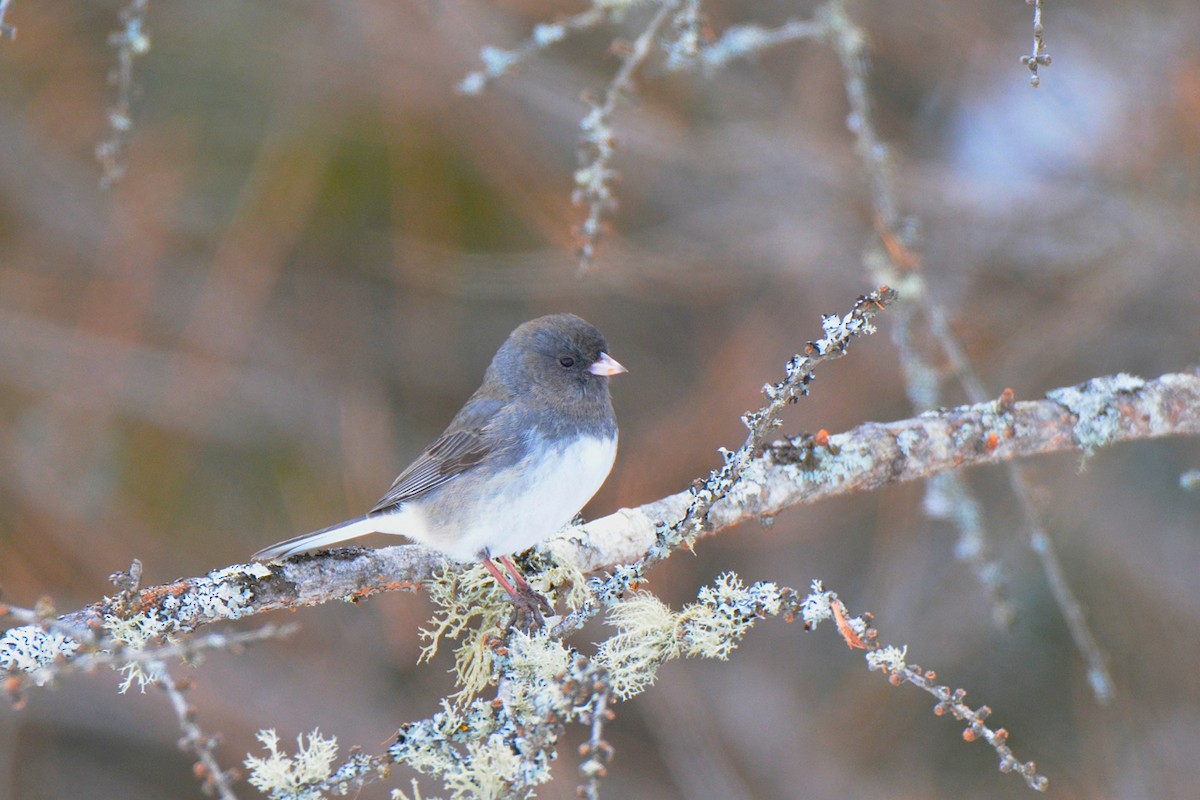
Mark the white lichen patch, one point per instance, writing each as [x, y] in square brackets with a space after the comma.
[227, 596]
[817, 606]
[890, 658]
[283, 776]
[752, 480]
[907, 439]
[30, 649]
[833, 465]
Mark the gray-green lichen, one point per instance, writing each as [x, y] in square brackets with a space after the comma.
[1097, 421]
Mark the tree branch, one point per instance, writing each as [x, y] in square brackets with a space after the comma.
[797, 471]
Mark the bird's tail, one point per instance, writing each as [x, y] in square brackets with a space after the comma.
[323, 538]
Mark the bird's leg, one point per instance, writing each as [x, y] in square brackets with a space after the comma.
[504, 582]
[527, 592]
[528, 605]
[515, 571]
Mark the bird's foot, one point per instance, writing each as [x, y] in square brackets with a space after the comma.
[529, 609]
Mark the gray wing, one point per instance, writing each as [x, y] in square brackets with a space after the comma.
[456, 451]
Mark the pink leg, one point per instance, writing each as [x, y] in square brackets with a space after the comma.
[528, 605]
[499, 576]
[528, 594]
[515, 571]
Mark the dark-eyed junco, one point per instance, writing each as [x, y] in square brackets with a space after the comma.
[527, 451]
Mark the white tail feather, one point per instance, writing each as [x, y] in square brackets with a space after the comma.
[325, 537]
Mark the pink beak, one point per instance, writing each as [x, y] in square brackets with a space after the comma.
[607, 366]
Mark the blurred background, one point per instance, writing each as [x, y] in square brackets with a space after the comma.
[318, 245]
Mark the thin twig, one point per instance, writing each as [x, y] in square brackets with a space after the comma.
[598, 751]
[130, 42]
[194, 739]
[498, 62]
[594, 177]
[1038, 57]
[860, 632]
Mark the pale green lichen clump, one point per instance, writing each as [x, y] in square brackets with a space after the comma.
[649, 633]
[464, 597]
[479, 751]
[136, 632]
[282, 776]
[563, 576]
[646, 637]
[724, 614]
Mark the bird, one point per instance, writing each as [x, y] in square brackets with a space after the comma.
[526, 452]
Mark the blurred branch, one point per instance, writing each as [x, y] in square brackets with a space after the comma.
[1039, 57]
[130, 42]
[902, 267]
[6, 31]
[594, 177]
[742, 41]
[797, 471]
[498, 62]
[947, 497]
[215, 780]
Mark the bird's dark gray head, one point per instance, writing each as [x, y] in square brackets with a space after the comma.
[555, 360]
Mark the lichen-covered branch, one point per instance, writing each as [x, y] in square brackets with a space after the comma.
[503, 747]
[798, 470]
[859, 632]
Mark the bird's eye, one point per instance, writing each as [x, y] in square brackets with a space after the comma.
[566, 361]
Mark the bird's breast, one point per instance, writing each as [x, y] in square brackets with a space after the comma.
[532, 500]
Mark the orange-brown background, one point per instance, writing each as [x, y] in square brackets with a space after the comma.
[318, 246]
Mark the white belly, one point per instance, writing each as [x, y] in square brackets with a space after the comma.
[536, 505]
